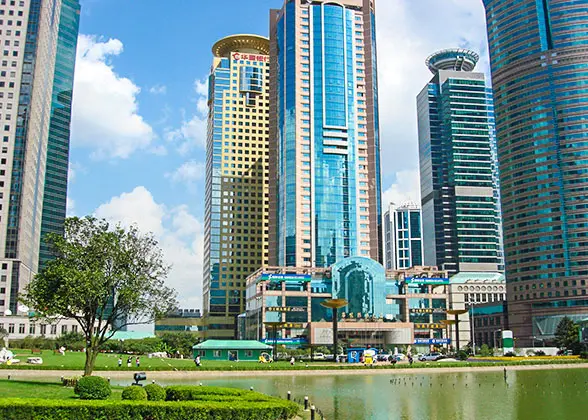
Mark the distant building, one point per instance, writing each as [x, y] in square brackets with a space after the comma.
[461, 230]
[39, 40]
[22, 326]
[182, 320]
[324, 154]
[539, 65]
[403, 240]
[385, 308]
[472, 291]
[236, 197]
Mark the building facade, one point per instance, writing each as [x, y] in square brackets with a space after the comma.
[471, 291]
[403, 236]
[325, 202]
[39, 40]
[539, 68]
[22, 326]
[385, 308]
[236, 200]
[458, 191]
[182, 320]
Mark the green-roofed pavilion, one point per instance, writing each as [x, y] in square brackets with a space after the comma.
[231, 350]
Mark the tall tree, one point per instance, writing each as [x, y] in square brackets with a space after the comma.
[566, 333]
[106, 277]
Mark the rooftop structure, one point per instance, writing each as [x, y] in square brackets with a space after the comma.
[456, 59]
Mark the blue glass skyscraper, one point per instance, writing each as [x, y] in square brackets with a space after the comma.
[324, 134]
[539, 75]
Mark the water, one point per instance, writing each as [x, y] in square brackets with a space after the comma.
[539, 394]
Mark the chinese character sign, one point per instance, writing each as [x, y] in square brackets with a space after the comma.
[251, 57]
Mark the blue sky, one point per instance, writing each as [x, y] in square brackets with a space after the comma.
[138, 124]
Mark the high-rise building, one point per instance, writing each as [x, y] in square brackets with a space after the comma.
[39, 41]
[403, 238]
[458, 191]
[539, 71]
[324, 134]
[236, 202]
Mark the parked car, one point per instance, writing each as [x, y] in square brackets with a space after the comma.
[383, 357]
[431, 357]
[329, 357]
[319, 356]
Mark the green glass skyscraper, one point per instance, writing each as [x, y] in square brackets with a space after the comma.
[39, 38]
[539, 61]
[458, 189]
[56, 171]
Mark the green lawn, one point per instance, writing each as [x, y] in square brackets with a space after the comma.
[75, 361]
[49, 390]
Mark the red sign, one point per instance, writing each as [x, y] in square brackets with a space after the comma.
[250, 57]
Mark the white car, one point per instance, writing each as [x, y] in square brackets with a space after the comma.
[319, 356]
[431, 357]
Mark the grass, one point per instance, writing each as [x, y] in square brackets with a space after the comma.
[75, 361]
[50, 390]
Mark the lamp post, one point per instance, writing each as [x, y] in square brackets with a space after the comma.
[473, 328]
[335, 304]
[456, 313]
[275, 326]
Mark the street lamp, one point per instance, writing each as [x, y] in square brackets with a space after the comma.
[456, 313]
[275, 326]
[335, 304]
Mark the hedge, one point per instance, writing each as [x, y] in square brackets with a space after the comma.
[134, 393]
[21, 409]
[93, 388]
[155, 392]
[211, 393]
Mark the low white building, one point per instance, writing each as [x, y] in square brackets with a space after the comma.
[21, 326]
[469, 289]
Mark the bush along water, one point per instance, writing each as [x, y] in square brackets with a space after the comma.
[155, 392]
[93, 388]
[134, 393]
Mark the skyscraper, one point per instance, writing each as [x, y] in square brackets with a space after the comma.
[39, 41]
[539, 72]
[403, 236]
[324, 134]
[458, 193]
[236, 202]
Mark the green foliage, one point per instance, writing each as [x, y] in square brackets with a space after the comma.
[93, 388]
[135, 393]
[567, 334]
[155, 392]
[462, 355]
[178, 342]
[18, 409]
[195, 393]
[101, 275]
[584, 355]
[485, 351]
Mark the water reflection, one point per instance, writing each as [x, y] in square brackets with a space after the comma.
[547, 394]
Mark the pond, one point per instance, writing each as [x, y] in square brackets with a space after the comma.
[531, 394]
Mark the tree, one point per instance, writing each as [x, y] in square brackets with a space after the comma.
[566, 333]
[106, 277]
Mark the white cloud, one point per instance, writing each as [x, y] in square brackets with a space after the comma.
[158, 90]
[105, 114]
[192, 131]
[188, 173]
[70, 207]
[408, 32]
[405, 188]
[179, 233]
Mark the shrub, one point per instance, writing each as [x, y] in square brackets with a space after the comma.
[509, 354]
[155, 392]
[462, 355]
[135, 393]
[584, 355]
[24, 408]
[210, 393]
[93, 388]
[486, 351]
[539, 353]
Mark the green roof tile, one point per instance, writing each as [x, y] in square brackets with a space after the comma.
[477, 277]
[231, 345]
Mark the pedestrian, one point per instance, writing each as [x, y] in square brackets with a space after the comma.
[137, 362]
[197, 360]
[292, 360]
[129, 361]
[410, 360]
[119, 361]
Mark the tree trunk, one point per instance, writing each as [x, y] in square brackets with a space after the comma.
[91, 354]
